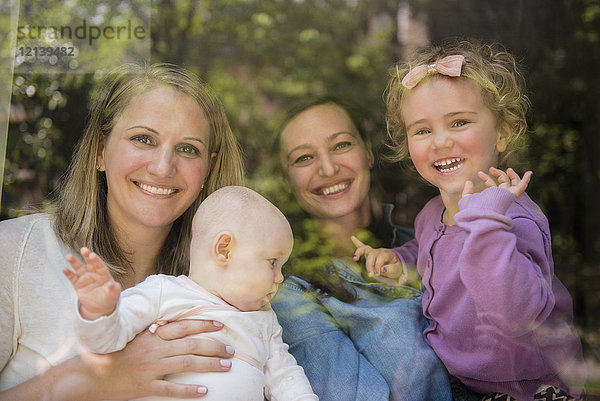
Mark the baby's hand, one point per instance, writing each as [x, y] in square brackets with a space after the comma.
[97, 291]
[510, 181]
[379, 262]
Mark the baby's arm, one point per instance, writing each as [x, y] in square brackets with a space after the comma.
[284, 378]
[97, 291]
[380, 262]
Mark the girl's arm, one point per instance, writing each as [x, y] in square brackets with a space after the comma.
[136, 371]
[505, 262]
[391, 266]
[407, 253]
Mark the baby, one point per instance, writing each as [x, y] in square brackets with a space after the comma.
[240, 241]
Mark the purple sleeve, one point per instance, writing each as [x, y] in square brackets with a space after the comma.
[408, 253]
[505, 263]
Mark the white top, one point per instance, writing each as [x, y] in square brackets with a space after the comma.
[37, 317]
[261, 361]
[36, 300]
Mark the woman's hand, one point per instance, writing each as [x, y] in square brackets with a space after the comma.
[136, 371]
[380, 262]
[139, 369]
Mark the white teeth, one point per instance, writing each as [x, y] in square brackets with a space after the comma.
[155, 190]
[335, 188]
[440, 164]
[447, 170]
[446, 162]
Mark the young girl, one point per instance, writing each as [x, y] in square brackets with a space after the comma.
[500, 319]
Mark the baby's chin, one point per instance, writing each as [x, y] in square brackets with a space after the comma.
[257, 306]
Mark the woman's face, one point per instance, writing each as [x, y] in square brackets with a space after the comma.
[326, 161]
[156, 159]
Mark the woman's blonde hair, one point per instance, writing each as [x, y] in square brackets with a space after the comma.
[490, 66]
[81, 207]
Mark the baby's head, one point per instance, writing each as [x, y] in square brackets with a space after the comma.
[490, 67]
[240, 241]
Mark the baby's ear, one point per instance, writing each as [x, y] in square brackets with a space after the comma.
[222, 246]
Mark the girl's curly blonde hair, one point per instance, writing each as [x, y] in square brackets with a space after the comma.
[492, 68]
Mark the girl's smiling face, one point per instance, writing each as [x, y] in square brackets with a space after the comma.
[452, 134]
[326, 161]
[155, 159]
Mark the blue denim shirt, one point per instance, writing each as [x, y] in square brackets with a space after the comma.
[369, 349]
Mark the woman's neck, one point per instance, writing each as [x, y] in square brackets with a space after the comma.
[142, 245]
[340, 229]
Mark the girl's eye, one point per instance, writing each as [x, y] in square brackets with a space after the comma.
[422, 132]
[272, 261]
[342, 145]
[189, 149]
[303, 159]
[460, 123]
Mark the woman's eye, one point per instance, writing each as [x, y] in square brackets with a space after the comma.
[272, 261]
[342, 145]
[303, 159]
[144, 139]
[189, 149]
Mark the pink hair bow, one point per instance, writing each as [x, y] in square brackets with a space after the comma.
[450, 66]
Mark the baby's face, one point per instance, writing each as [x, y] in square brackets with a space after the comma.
[254, 271]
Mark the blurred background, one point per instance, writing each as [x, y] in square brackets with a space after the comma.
[261, 55]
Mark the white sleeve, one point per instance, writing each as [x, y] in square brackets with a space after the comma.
[138, 308]
[285, 379]
[11, 244]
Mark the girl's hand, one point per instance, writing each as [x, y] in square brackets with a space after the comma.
[510, 181]
[97, 292]
[379, 262]
[139, 369]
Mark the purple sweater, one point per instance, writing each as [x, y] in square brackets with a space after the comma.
[500, 319]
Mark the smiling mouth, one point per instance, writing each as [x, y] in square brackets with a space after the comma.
[449, 165]
[333, 189]
[156, 190]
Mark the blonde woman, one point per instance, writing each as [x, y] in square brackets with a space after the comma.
[156, 144]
